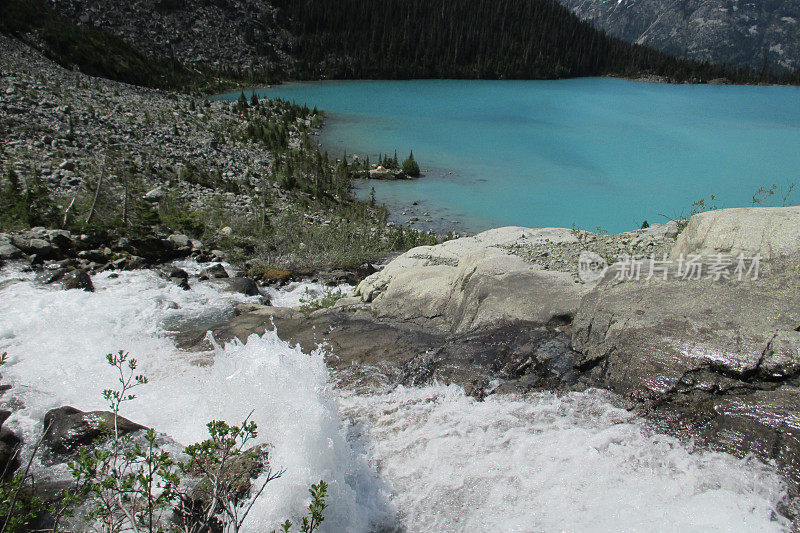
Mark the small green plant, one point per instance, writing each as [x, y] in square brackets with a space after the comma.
[310, 303]
[315, 517]
[223, 504]
[127, 485]
[763, 194]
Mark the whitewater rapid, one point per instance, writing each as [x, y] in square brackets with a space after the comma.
[423, 459]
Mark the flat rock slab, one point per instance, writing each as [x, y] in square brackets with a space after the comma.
[363, 349]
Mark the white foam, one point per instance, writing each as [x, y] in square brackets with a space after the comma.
[57, 340]
[292, 293]
[549, 463]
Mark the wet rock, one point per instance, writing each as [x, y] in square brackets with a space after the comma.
[77, 279]
[51, 275]
[214, 272]
[183, 283]
[242, 285]
[10, 445]
[177, 273]
[724, 354]
[67, 428]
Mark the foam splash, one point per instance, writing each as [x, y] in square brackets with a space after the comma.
[57, 340]
[544, 462]
[292, 294]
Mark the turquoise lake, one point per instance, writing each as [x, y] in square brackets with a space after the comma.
[592, 152]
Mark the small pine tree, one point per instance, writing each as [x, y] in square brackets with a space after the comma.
[410, 166]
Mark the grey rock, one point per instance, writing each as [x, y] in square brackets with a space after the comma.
[77, 279]
[67, 428]
[9, 251]
[179, 240]
[475, 282]
[155, 195]
[214, 271]
[726, 353]
[769, 232]
[39, 247]
[242, 285]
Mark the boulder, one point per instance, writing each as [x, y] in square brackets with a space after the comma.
[155, 195]
[242, 285]
[179, 240]
[62, 239]
[474, 282]
[77, 279]
[66, 428]
[9, 251]
[216, 271]
[718, 359]
[39, 247]
[771, 232]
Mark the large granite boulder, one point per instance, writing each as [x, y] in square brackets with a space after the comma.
[716, 357]
[771, 232]
[476, 282]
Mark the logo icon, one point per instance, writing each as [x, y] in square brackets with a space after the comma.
[591, 266]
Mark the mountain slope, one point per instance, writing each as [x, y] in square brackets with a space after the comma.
[312, 39]
[739, 33]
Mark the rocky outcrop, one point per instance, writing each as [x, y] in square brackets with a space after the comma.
[739, 34]
[470, 283]
[770, 232]
[717, 358]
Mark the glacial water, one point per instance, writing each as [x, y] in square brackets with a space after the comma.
[413, 459]
[593, 152]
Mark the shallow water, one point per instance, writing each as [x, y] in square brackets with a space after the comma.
[594, 152]
[427, 458]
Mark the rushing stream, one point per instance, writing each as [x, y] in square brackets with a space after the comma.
[423, 459]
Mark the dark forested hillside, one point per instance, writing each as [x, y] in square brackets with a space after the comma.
[463, 39]
[207, 44]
